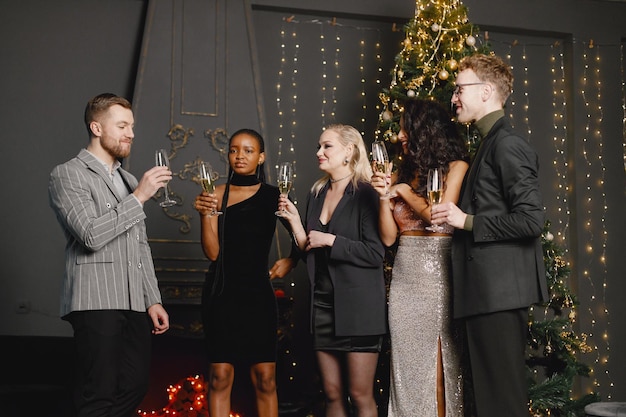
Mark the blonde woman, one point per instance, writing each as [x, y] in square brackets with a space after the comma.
[344, 256]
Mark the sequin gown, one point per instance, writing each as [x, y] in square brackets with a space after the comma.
[419, 316]
[240, 323]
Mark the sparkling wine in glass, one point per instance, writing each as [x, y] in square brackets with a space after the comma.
[380, 161]
[163, 161]
[434, 188]
[207, 180]
[285, 181]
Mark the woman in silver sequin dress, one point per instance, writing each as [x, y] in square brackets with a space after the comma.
[426, 378]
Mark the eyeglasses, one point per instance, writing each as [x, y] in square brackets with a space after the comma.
[457, 89]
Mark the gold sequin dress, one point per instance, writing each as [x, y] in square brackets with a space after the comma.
[419, 316]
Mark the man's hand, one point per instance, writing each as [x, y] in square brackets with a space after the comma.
[448, 213]
[160, 319]
[152, 180]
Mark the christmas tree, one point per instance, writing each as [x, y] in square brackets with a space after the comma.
[553, 344]
[437, 38]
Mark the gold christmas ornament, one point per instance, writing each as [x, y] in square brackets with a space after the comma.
[387, 115]
[393, 138]
[471, 41]
[443, 74]
[452, 64]
[410, 93]
[435, 27]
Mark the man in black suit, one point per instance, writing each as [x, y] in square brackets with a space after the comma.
[497, 260]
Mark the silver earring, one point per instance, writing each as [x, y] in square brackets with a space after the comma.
[346, 162]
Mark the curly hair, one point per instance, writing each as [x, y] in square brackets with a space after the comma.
[433, 141]
[490, 68]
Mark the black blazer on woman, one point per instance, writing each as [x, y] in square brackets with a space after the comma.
[355, 260]
[499, 265]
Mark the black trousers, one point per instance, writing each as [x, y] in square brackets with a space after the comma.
[496, 346]
[113, 352]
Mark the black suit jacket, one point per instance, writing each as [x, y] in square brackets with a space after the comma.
[355, 261]
[499, 264]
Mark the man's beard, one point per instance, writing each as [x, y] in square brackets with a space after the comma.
[115, 149]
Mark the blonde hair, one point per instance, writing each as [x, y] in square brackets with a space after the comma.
[490, 68]
[359, 162]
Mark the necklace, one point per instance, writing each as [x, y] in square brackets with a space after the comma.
[340, 179]
[244, 180]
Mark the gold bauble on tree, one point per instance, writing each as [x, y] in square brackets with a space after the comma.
[453, 64]
[443, 74]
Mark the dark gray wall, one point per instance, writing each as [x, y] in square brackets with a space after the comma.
[56, 55]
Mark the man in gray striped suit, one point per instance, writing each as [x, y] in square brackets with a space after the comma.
[110, 293]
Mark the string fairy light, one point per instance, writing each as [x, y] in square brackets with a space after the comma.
[324, 74]
[279, 83]
[336, 66]
[559, 140]
[525, 84]
[363, 85]
[512, 101]
[593, 136]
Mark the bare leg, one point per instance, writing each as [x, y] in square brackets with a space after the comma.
[221, 377]
[330, 370]
[263, 377]
[441, 392]
[361, 373]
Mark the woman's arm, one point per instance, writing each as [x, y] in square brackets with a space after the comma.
[451, 191]
[205, 204]
[292, 215]
[387, 227]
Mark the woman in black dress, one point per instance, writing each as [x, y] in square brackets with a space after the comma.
[238, 304]
[344, 256]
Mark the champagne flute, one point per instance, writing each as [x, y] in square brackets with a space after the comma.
[163, 161]
[380, 161]
[434, 188]
[207, 180]
[285, 181]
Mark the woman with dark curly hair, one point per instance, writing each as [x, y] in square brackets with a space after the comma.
[425, 347]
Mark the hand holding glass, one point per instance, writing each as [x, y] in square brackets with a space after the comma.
[207, 180]
[285, 181]
[163, 161]
[434, 188]
[380, 162]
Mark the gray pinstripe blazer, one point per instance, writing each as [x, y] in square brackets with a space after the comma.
[108, 263]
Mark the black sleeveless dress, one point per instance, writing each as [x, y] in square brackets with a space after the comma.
[240, 317]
